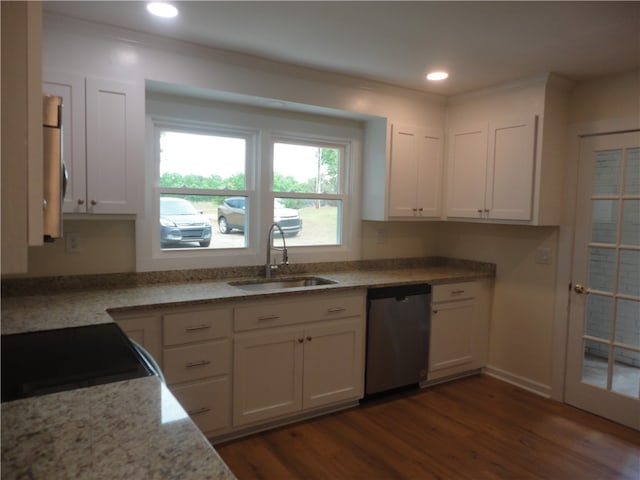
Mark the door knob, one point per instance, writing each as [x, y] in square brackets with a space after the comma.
[581, 289]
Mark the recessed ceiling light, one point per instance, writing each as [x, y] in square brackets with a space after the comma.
[161, 9]
[435, 76]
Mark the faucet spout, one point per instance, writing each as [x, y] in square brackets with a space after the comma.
[268, 267]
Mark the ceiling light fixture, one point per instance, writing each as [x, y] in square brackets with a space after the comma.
[161, 9]
[435, 76]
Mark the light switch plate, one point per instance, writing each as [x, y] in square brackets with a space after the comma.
[543, 256]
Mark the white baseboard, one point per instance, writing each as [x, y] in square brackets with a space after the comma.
[518, 381]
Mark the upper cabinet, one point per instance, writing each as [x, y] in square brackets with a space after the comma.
[491, 170]
[415, 174]
[505, 153]
[402, 173]
[103, 138]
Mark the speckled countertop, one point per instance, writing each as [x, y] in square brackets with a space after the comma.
[134, 429]
[54, 306]
[124, 430]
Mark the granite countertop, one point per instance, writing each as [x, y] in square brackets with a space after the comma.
[77, 307]
[136, 428]
[125, 430]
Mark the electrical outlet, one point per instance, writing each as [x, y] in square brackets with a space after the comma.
[72, 243]
[543, 256]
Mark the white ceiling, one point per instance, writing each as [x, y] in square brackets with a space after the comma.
[479, 43]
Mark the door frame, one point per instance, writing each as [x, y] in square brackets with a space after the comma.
[566, 237]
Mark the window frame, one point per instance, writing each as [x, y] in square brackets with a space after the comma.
[261, 129]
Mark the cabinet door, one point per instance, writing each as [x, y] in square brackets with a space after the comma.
[267, 375]
[416, 169]
[510, 178]
[115, 136]
[146, 331]
[467, 171]
[71, 88]
[333, 363]
[451, 346]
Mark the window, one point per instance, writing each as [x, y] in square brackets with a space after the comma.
[220, 175]
[196, 172]
[307, 179]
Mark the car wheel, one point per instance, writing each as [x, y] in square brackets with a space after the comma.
[223, 225]
[205, 243]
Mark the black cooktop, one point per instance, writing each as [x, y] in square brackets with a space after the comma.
[42, 362]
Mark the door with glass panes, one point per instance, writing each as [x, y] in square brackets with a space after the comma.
[603, 361]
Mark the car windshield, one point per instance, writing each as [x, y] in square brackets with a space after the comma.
[176, 206]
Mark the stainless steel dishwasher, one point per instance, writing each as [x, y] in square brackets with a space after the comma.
[398, 324]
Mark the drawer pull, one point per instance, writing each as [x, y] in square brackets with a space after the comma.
[198, 411]
[336, 310]
[269, 317]
[200, 363]
[192, 328]
[457, 292]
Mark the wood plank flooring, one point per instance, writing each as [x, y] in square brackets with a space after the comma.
[473, 428]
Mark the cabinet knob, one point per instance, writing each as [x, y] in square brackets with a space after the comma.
[80, 202]
[435, 311]
[300, 340]
[94, 203]
[309, 339]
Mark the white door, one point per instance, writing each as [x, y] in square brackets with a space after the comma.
[603, 361]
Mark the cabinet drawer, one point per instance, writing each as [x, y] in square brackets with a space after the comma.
[188, 327]
[453, 291]
[267, 314]
[207, 403]
[197, 361]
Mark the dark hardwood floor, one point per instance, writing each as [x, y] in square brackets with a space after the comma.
[473, 428]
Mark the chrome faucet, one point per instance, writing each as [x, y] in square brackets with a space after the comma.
[268, 267]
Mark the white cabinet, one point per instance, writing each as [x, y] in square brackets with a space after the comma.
[197, 364]
[193, 348]
[505, 160]
[103, 138]
[416, 172]
[491, 170]
[297, 355]
[459, 328]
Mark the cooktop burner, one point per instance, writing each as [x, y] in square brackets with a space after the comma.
[38, 363]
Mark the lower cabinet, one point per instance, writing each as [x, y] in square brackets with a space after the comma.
[241, 364]
[286, 370]
[459, 328]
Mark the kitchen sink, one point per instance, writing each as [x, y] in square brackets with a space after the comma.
[275, 283]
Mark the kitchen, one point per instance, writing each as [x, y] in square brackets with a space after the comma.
[109, 246]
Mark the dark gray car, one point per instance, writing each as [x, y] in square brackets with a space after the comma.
[231, 216]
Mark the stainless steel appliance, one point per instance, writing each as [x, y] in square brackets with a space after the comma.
[49, 361]
[54, 173]
[398, 324]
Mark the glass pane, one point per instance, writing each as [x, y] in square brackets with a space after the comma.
[310, 222]
[606, 177]
[626, 372]
[629, 280]
[628, 323]
[595, 363]
[189, 221]
[632, 178]
[306, 169]
[604, 221]
[202, 161]
[602, 269]
[599, 313]
[630, 222]
[232, 220]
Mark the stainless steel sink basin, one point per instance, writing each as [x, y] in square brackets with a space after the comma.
[276, 283]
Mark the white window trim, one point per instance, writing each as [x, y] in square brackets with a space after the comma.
[167, 114]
